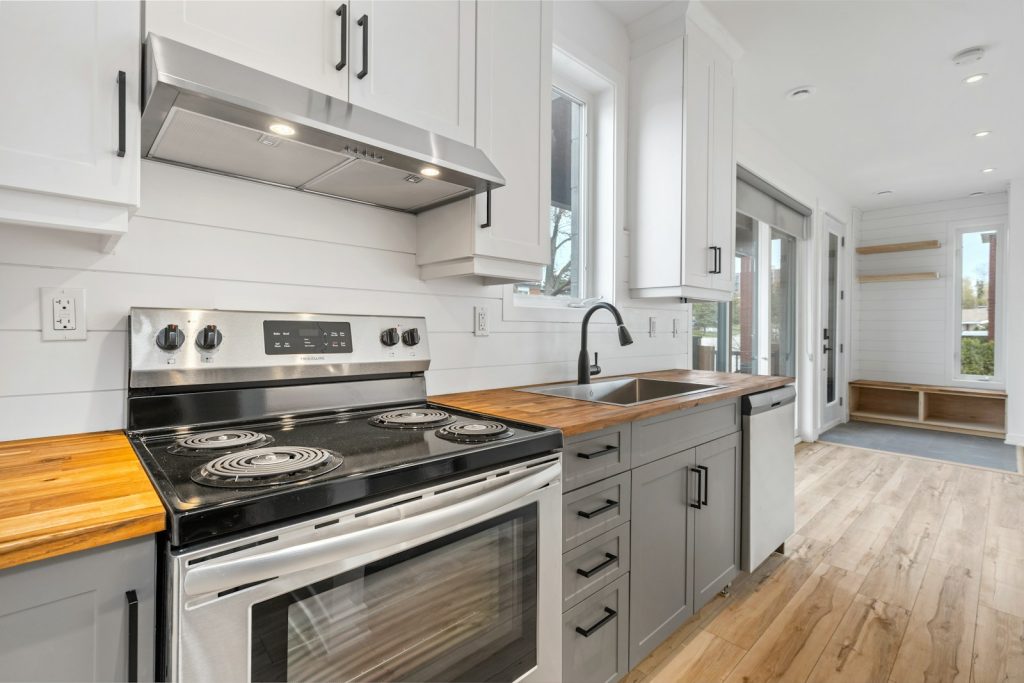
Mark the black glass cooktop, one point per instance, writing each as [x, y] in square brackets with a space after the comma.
[350, 458]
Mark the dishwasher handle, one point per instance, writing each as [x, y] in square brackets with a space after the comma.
[769, 400]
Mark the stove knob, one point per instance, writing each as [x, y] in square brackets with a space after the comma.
[209, 338]
[411, 337]
[170, 338]
[389, 337]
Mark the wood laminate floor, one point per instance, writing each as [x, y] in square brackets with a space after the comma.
[902, 570]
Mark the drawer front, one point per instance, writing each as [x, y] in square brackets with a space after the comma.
[594, 565]
[667, 434]
[595, 456]
[592, 510]
[600, 653]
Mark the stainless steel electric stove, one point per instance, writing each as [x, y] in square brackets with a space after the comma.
[315, 497]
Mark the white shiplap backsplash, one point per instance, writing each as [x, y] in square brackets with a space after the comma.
[206, 241]
[903, 329]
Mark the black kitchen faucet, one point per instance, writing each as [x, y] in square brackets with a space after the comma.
[584, 368]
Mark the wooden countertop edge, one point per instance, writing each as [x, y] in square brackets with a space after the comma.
[45, 516]
[580, 417]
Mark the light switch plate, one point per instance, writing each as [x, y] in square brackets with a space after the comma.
[652, 323]
[62, 313]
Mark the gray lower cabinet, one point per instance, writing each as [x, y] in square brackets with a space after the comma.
[595, 643]
[661, 568]
[717, 528]
[69, 618]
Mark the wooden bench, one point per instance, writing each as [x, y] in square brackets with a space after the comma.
[981, 412]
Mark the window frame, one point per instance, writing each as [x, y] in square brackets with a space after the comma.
[997, 380]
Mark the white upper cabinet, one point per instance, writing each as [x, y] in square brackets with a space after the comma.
[415, 60]
[683, 173]
[513, 104]
[69, 134]
[298, 40]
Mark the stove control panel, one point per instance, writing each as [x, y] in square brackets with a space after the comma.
[312, 336]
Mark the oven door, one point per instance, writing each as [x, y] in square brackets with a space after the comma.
[455, 583]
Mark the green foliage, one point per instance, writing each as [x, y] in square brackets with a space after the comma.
[977, 356]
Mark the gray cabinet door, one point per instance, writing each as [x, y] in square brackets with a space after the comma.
[661, 562]
[67, 618]
[717, 522]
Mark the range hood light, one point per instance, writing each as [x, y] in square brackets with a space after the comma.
[430, 171]
[282, 129]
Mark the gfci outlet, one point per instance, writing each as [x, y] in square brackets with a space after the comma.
[480, 326]
[62, 312]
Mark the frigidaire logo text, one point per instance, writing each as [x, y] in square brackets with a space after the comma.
[311, 357]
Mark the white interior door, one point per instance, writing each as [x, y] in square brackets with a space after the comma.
[415, 61]
[830, 341]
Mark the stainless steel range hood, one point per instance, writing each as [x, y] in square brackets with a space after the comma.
[207, 112]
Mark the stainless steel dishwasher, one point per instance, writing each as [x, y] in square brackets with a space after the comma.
[769, 479]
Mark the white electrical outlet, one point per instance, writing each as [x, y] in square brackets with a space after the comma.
[62, 312]
[480, 327]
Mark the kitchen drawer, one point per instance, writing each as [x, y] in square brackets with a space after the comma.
[604, 559]
[595, 456]
[600, 655]
[667, 434]
[592, 510]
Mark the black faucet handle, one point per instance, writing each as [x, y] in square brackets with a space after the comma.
[595, 369]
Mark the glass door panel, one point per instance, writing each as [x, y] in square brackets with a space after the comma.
[744, 356]
[829, 334]
[461, 608]
[783, 304]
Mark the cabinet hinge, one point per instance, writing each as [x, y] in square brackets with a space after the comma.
[840, 348]
[840, 401]
[842, 241]
[842, 295]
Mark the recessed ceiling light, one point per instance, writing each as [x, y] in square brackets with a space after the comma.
[801, 93]
[974, 78]
[988, 170]
[983, 133]
[430, 171]
[976, 194]
[883, 193]
[281, 129]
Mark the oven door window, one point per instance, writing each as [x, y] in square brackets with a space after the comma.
[460, 608]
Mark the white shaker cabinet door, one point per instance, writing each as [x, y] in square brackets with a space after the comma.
[297, 40]
[414, 60]
[65, 116]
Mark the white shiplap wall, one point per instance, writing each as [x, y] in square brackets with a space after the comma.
[206, 241]
[903, 329]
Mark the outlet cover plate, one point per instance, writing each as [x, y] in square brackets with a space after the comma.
[62, 313]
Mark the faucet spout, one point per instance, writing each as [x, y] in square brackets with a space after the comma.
[583, 367]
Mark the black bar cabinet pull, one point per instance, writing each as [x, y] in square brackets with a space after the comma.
[364, 21]
[487, 218]
[704, 479]
[133, 633]
[342, 12]
[608, 505]
[121, 96]
[609, 560]
[700, 476]
[597, 454]
[609, 614]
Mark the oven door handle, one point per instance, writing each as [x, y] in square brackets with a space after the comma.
[412, 530]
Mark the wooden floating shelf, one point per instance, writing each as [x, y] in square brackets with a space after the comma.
[901, 246]
[898, 277]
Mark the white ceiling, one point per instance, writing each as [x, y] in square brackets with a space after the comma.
[890, 111]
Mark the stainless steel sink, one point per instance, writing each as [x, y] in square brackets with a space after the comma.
[626, 391]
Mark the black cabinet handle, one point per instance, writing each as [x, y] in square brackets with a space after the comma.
[610, 559]
[133, 633]
[121, 96]
[364, 21]
[598, 454]
[487, 218]
[717, 253]
[609, 614]
[704, 478]
[700, 476]
[609, 505]
[342, 12]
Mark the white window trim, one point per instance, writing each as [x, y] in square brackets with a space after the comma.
[600, 92]
[953, 333]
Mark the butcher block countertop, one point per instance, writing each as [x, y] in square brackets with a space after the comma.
[67, 493]
[579, 417]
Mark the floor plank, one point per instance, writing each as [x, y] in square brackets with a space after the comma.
[707, 658]
[864, 646]
[998, 647]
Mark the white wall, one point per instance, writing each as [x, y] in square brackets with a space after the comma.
[904, 329]
[768, 159]
[1014, 315]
